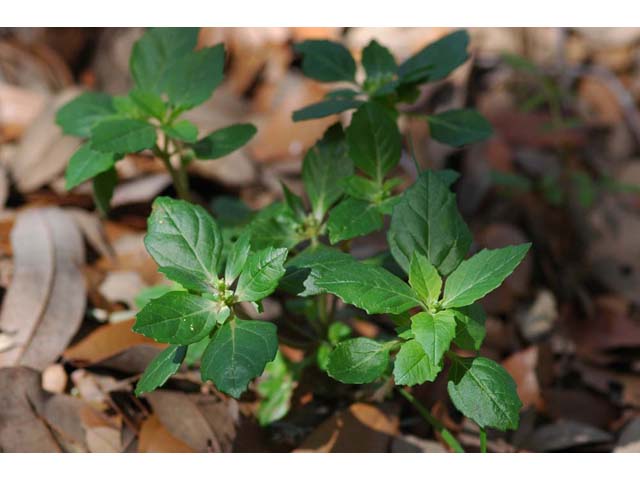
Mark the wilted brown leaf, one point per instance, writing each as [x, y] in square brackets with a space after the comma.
[154, 438]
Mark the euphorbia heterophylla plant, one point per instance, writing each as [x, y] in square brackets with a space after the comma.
[170, 78]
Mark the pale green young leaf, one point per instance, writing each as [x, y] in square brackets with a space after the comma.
[103, 186]
[195, 351]
[184, 130]
[148, 102]
[276, 390]
[459, 127]
[424, 279]
[155, 291]
[86, 163]
[434, 332]
[122, 135]
[193, 281]
[470, 329]
[362, 188]
[330, 106]
[353, 218]
[412, 365]
[483, 391]
[178, 318]
[182, 235]
[224, 141]
[237, 257]
[358, 360]
[481, 274]
[82, 113]
[326, 61]
[323, 168]
[238, 353]
[161, 368]
[194, 76]
[337, 332]
[374, 141]
[426, 220]
[261, 274]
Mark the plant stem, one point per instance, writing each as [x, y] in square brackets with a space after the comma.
[483, 440]
[179, 177]
[446, 435]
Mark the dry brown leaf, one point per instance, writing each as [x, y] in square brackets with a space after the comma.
[140, 190]
[103, 434]
[62, 414]
[522, 367]
[154, 438]
[360, 428]
[22, 428]
[45, 303]
[19, 107]
[54, 379]
[92, 229]
[4, 187]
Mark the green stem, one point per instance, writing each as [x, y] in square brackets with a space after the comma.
[483, 440]
[446, 435]
[179, 177]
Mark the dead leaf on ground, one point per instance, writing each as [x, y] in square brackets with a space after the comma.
[45, 303]
[522, 367]
[154, 438]
[564, 435]
[19, 107]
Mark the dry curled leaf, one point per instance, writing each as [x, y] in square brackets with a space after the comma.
[154, 438]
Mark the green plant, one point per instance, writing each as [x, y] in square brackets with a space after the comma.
[431, 297]
[170, 78]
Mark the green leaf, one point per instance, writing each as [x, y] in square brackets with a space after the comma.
[155, 291]
[294, 203]
[426, 220]
[326, 61]
[483, 391]
[156, 53]
[82, 113]
[362, 188]
[183, 236]
[437, 60]
[434, 333]
[337, 332]
[86, 163]
[459, 127]
[371, 288]
[374, 141]
[103, 185]
[358, 360]
[325, 108]
[481, 274]
[276, 389]
[353, 218]
[274, 226]
[149, 103]
[122, 135]
[179, 318]
[237, 257]
[238, 353]
[323, 168]
[183, 130]
[224, 141]
[342, 93]
[378, 61]
[189, 280]
[412, 365]
[195, 351]
[194, 76]
[261, 274]
[470, 329]
[160, 369]
[424, 279]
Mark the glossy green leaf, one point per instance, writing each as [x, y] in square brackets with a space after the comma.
[238, 353]
[195, 351]
[326, 61]
[412, 366]
[325, 108]
[426, 220]
[274, 226]
[161, 368]
[86, 163]
[276, 390]
[194, 76]
[184, 130]
[437, 60]
[470, 329]
[156, 53]
[434, 333]
[323, 168]
[178, 318]
[483, 391]
[224, 141]
[424, 279]
[183, 236]
[82, 113]
[353, 218]
[155, 291]
[358, 360]
[237, 257]
[261, 274]
[122, 135]
[103, 186]
[481, 274]
[459, 127]
[374, 141]
[149, 103]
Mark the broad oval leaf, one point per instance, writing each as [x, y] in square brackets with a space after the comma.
[426, 220]
[483, 391]
[122, 135]
[161, 368]
[459, 127]
[185, 237]
[353, 218]
[274, 226]
[358, 360]
[82, 113]
[261, 274]
[149, 103]
[238, 353]
[470, 329]
[184, 130]
[326, 61]
[481, 274]
[412, 365]
[86, 163]
[178, 318]
[237, 257]
[434, 333]
[325, 108]
[378, 62]
[374, 141]
[424, 279]
[224, 141]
